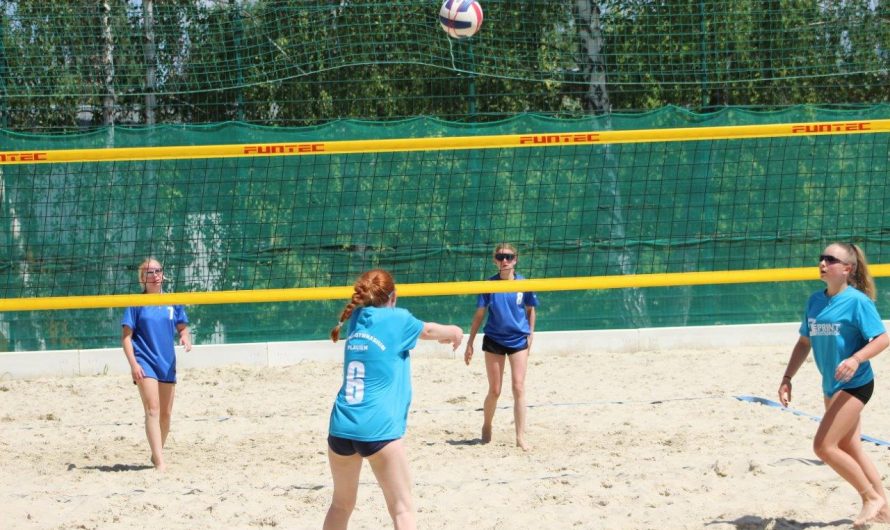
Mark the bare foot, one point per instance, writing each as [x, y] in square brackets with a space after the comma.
[871, 508]
[883, 516]
[486, 434]
[521, 443]
[159, 464]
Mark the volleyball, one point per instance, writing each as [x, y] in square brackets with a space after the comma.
[460, 18]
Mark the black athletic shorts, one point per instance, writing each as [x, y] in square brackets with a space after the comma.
[492, 346]
[862, 393]
[347, 447]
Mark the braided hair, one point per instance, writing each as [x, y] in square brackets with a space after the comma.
[373, 288]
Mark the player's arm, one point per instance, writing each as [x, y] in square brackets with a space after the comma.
[185, 337]
[798, 356]
[127, 344]
[478, 316]
[848, 367]
[450, 334]
[531, 314]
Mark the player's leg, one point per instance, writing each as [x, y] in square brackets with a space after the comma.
[390, 466]
[166, 393]
[840, 423]
[852, 445]
[345, 471]
[494, 369]
[518, 369]
[148, 391]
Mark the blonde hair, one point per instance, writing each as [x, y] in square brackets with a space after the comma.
[144, 265]
[860, 277]
[373, 288]
[505, 246]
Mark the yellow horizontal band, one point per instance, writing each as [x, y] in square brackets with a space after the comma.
[425, 289]
[503, 141]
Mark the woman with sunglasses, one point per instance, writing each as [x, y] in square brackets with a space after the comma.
[370, 413]
[147, 339]
[508, 334]
[844, 330]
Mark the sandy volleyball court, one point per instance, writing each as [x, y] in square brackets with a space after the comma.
[636, 440]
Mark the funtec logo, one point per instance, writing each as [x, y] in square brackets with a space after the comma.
[37, 156]
[283, 149]
[572, 138]
[852, 126]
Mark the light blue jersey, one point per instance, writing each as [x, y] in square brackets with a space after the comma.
[154, 329]
[373, 401]
[507, 322]
[838, 327]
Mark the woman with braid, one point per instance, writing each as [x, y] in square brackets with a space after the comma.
[842, 326]
[371, 409]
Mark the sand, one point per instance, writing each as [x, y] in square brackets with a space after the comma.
[636, 440]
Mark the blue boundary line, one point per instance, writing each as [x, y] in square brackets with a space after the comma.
[776, 404]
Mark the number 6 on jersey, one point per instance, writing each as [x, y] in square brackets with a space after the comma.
[355, 382]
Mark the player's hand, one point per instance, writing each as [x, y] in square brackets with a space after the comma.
[185, 339]
[455, 338]
[468, 354]
[846, 369]
[136, 373]
[785, 392]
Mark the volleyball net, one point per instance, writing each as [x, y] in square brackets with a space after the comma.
[244, 222]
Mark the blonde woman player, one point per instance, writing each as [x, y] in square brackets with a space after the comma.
[147, 339]
[844, 330]
[370, 413]
[509, 331]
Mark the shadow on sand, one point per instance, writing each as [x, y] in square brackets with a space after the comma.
[474, 441]
[116, 468]
[753, 522]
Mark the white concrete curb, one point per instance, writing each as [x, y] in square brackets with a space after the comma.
[67, 363]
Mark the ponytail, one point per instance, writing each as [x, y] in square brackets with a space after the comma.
[860, 278]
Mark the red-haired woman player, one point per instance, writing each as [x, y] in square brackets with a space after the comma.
[370, 412]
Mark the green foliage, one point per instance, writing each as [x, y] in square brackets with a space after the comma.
[309, 62]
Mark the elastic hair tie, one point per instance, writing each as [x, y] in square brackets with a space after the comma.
[339, 325]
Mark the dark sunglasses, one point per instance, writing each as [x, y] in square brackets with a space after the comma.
[500, 256]
[829, 259]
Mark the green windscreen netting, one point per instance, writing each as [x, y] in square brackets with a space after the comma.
[267, 222]
[111, 74]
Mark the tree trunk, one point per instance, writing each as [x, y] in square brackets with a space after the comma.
[151, 67]
[590, 33]
[605, 185]
[110, 99]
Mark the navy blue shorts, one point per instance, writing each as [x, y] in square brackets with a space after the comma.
[862, 393]
[347, 447]
[492, 346]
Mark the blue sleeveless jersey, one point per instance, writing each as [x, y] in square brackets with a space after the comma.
[838, 327]
[373, 401]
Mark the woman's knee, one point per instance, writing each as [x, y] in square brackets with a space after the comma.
[400, 506]
[343, 505]
[822, 449]
[152, 410]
